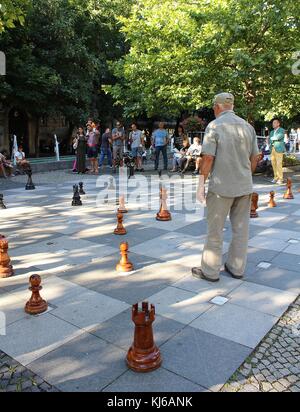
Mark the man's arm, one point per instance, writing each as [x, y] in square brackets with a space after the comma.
[207, 164]
[254, 162]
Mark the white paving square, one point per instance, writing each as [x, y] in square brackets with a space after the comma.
[262, 298]
[264, 242]
[267, 219]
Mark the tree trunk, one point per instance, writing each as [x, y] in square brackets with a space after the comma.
[250, 96]
[36, 139]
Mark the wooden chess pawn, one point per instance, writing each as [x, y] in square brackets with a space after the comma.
[36, 304]
[29, 184]
[6, 269]
[163, 214]
[122, 208]
[76, 197]
[272, 202]
[120, 230]
[254, 205]
[2, 205]
[124, 265]
[144, 355]
[289, 193]
[81, 191]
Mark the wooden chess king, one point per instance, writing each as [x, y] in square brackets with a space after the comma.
[122, 208]
[143, 355]
[6, 269]
[36, 304]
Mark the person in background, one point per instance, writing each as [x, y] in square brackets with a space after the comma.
[286, 142]
[81, 139]
[136, 139]
[179, 155]
[21, 161]
[278, 148]
[92, 143]
[105, 149]
[194, 153]
[118, 139]
[293, 141]
[6, 167]
[160, 141]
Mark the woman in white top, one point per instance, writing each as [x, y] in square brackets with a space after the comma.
[194, 153]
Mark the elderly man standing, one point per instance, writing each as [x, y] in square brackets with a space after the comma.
[230, 154]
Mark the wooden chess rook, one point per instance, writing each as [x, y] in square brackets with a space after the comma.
[81, 190]
[120, 230]
[2, 205]
[164, 214]
[272, 202]
[144, 355]
[36, 304]
[6, 269]
[76, 197]
[288, 194]
[124, 265]
[122, 208]
[254, 205]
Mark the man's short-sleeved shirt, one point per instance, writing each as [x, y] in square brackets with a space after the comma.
[232, 141]
[160, 137]
[121, 132]
[136, 137]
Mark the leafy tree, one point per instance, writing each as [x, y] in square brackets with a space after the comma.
[182, 53]
[12, 13]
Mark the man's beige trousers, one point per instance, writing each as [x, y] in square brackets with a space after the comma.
[218, 208]
[277, 161]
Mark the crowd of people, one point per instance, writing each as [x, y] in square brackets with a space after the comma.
[90, 146]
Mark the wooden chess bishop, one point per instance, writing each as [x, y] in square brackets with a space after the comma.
[36, 304]
[288, 194]
[254, 205]
[272, 202]
[120, 230]
[124, 265]
[164, 214]
[6, 269]
[144, 355]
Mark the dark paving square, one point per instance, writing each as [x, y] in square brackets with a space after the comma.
[287, 261]
[278, 278]
[85, 364]
[209, 361]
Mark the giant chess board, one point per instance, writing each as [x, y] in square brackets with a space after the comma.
[205, 331]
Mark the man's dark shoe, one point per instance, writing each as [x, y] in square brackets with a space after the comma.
[232, 274]
[197, 273]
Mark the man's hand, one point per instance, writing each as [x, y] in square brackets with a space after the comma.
[201, 191]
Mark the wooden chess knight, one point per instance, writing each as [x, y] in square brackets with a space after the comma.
[6, 269]
[124, 265]
[36, 304]
[144, 355]
[254, 205]
[120, 230]
[272, 202]
[163, 214]
[289, 193]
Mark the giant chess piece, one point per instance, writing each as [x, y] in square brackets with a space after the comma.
[254, 205]
[289, 193]
[81, 191]
[76, 197]
[6, 269]
[272, 202]
[2, 205]
[29, 184]
[144, 355]
[122, 208]
[36, 304]
[163, 214]
[120, 230]
[124, 265]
